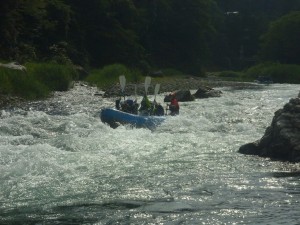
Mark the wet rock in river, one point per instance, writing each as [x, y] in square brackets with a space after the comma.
[207, 92]
[282, 138]
[181, 95]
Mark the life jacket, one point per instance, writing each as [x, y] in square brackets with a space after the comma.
[174, 103]
[145, 104]
[174, 107]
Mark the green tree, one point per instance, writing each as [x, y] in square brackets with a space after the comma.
[106, 29]
[30, 27]
[10, 28]
[238, 41]
[191, 30]
[281, 42]
[177, 33]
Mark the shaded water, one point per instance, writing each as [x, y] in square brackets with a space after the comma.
[59, 164]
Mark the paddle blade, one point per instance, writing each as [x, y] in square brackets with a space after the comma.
[135, 91]
[122, 82]
[147, 84]
[156, 90]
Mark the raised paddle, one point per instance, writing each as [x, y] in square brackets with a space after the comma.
[147, 84]
[122, 80]
[135, 91]
[156, 90]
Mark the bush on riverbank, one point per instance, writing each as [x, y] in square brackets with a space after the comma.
[171, 72]
[230, 75]
[54, 76]
[109, 75]
[37, 81]
[280, 73]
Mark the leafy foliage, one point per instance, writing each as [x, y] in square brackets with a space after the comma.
[281, 42]
[30, 27]
[135, 36]
[108, 75]
[38, 81]
[185, 35]
[229, 74]
[16, 82]
[239, 31]
[54, 76]
[281, 73]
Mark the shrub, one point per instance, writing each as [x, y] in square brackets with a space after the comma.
[234, 76]
[280, 73]
[39, 80]
[5, 83]
[230, 74]
[110, 74]
[171, 72]
[54, 76]
[29, 88]
[16, 82]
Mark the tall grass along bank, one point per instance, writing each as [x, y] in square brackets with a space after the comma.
[37, 81]
[109, 75]
[280, 73]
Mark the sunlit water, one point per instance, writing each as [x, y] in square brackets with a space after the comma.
[59, 164]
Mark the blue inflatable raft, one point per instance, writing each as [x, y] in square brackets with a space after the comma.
[115, 117]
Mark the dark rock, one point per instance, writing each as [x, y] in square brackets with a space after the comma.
[250, 149]
[181, 96]
[282, 139]
[207, 92]
[14, 66]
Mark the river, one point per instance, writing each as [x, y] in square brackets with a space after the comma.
[59, 164]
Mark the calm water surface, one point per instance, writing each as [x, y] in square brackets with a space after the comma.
[59, 164]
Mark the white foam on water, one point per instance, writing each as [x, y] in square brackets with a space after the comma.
[64, 155]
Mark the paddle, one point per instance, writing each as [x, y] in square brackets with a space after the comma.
[122, 83]
[135, 91]
[156, 90]
[154, 104]
[147, 84]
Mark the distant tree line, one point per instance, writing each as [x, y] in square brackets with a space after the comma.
[187, 35]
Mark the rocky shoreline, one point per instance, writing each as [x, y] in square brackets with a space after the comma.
[7, 101]
[176, 84]
[167, 86]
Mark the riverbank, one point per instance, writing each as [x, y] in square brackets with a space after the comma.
[168, 84]
[171, 84]
[8, 101]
